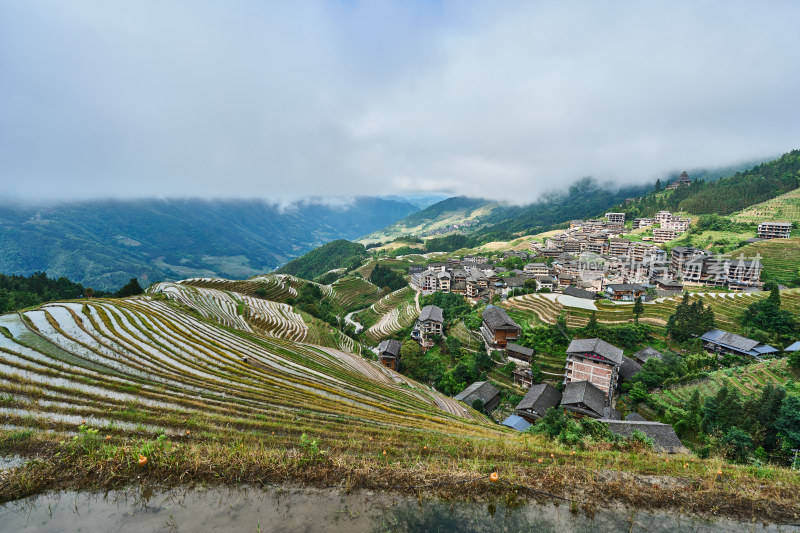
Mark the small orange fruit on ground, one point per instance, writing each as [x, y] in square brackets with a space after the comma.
[108, 437]
[142, 460]
[384, 452]
[719, 472]
[540, 459]
[493, 477]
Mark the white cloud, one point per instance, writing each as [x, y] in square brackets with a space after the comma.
[290, 100]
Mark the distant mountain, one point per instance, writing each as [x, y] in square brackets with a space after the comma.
[492, 220]
[103, 244]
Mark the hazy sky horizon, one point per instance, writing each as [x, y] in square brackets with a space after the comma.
[282, 101]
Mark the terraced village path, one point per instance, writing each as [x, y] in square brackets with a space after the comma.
[416, 301]
[348, 318]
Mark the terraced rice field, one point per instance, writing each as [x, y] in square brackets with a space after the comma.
[783, 208]
[746, 380]
[470, 339]
[727, 308]
[349, 294]
[779, 257]
[276, 287]
[257, 315]
[390, 314]
[145, 367]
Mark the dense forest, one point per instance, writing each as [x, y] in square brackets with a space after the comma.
[19, 292]
[335, 254]
[726, 195]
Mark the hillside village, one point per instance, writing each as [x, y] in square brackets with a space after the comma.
[591, 336]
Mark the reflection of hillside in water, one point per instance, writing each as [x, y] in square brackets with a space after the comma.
[277, 509]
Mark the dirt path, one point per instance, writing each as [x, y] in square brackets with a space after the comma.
[348, 318]
[416, 301]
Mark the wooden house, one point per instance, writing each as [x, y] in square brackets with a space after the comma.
[498, 328]
[483, 391]
[520, 353]
[389, 352]
[583, 398]
[537, 401]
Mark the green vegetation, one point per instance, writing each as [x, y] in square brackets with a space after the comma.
[765, 321]
[783, 208]
[383, 276]
[330, 256]
[778, 257]
[20, 292]
[690, 320]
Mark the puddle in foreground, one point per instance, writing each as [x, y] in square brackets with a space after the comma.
[319, 511]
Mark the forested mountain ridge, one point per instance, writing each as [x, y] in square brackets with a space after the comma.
[103, 244]
[725, 196]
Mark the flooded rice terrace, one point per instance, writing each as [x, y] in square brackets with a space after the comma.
[301, 509]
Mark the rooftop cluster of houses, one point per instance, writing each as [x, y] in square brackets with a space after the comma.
[473, 277]
[594, 369]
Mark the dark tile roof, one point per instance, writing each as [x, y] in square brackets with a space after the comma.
[390, 347]
[584, 392]
[737, 342]
[431, 312]
[598, 346]
[635, 417]
[611, 414]
[516, 422]
[625, 287]
[629, 368]
[519, 349]
[498, 318]
[479, 390]
[794, 347]
[540, 398]
[646, 353]
[664, 437]
[514, 281]
[578, 293]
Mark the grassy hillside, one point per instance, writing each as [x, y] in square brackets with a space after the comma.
[329, 256]
[780, 258]
[783, 208]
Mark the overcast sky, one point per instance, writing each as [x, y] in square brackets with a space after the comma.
[286, 99]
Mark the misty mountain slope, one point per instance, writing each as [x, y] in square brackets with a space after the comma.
[105, 243]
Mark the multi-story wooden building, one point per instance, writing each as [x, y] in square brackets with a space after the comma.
[498, 328]
[593, 360]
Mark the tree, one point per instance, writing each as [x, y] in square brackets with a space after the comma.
[132, 288]
[690, 320]
[638, 308]
[6, 303]
[738, 444]
[788, 421]
[658, 185]
[89, 292]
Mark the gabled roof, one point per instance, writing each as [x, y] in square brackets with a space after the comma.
[516, 422]
[646, 353]
[794, 347]
[629, 368]
[519, 349]
[540, 398]
[598, 346]
[514, 281]
[498, 318]
[584, 392]
[578, 293]
[611, 414]
[390, 347]
[482, 390]
[431, 312]
[624, 287]
[664, 437]
[730, 340]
